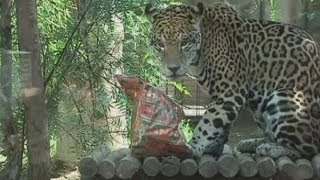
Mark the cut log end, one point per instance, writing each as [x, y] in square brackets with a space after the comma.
[286, 166]
[170, 166]
[127, 167]
[228, 165]
[266, 166]
[107, 169]
[188, 167]
[88, 166]
[305, 170]
[208, 166]
[316, 165]
[248, 166]
[108, 166]
[151, 166]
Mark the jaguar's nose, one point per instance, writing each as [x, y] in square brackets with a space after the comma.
[173, 69]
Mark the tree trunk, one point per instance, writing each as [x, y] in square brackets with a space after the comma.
[11, 140]
[33, 91]
[265, 10]
[118, 130]
[291, 10]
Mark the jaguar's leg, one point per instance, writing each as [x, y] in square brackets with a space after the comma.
[212, 130]
[275, 150]
[250, 145]
[288, 125]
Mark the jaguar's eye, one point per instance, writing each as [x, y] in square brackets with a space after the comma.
[160, 44]
[184, 43]
[157, 42]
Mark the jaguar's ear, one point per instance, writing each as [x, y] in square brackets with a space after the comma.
[197, 12]
[150, 10]
[198, 9]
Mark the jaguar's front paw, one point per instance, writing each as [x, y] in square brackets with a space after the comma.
[250, 145]
[215, 148]
[274, 150]
[211, 145]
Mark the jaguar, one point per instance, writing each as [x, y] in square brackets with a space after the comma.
[272, 68]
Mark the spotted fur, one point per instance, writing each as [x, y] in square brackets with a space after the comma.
[271, 67]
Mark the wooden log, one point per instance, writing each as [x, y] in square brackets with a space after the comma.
[305, 170]
[170, 166]
[266, 166]
[248, 166]
[316, 165]
[127, 167]
[207, 166]
[188, 167]
[286, 166]
[151, 166]
[88, 166]
[87, 178]
[228, 164]
[107, 167]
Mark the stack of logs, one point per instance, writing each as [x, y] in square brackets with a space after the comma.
[119, 164]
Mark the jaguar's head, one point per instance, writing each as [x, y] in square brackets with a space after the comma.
[176, 37]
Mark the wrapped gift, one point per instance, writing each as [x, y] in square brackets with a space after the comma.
[155, 120]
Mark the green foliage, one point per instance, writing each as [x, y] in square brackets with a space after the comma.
[80, 43]
[187, 129]
[180, 87]
[137, 49]
[275, 10]
[313, 12]
[55, 17]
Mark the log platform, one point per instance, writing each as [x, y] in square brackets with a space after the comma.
[103, 164]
